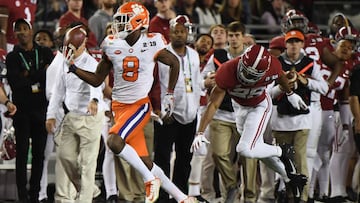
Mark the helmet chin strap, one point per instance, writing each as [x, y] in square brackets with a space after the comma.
[123, 34]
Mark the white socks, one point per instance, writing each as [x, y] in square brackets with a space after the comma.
[167, 185]
[130, 155]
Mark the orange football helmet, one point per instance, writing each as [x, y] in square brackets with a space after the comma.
[129, 17]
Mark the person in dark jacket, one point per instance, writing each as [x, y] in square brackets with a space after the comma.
[26, 70]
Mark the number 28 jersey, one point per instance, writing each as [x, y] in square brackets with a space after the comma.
[246, 95]
[133, 65]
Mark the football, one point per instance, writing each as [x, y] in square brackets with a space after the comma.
[75, 37]
[291, 76]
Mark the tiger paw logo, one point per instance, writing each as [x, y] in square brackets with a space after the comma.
[137, 9]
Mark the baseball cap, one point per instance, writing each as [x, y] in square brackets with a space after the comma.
[19, 21]
[294, 34]
[277, 42]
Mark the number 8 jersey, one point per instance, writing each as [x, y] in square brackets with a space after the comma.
[133, 65]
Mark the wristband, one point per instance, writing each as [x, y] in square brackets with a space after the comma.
[95, 100]
[289, 93]
[72, 68]
[200, 133]
[169, 91]
[7, 102]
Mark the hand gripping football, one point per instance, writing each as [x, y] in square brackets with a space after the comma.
[291, 76]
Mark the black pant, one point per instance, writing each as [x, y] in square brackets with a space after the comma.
[29, 125]
[164, 138]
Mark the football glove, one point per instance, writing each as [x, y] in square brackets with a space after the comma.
[69, 52]
[199, 143]
[168, 105]
[296, 101]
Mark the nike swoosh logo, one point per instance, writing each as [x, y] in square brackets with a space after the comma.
[293, 169]
[143, 50]
[297, 192]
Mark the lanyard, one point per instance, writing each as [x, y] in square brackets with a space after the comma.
[187, 80]
[27, 64]
[183, 64]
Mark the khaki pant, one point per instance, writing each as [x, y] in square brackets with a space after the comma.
[249, 178]
[223, 135]
[298, 139]
[129, 182]
[78, 151]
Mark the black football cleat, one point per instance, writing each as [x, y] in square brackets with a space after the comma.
[296, 184]
[200, 199]
[287, 151]
[287, 158]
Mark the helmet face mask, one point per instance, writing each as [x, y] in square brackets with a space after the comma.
[121, 26]
[129, 17]
[253, 65]
[348, 33]
[249, 75]
[294, 20]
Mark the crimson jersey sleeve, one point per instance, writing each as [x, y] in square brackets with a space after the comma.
[225, 77]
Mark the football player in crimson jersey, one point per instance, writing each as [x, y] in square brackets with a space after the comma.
[335, 132]
[246, 79]
[132, 53]
[9, 12]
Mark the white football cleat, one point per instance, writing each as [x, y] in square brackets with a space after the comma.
[152, 189]
[189, 200]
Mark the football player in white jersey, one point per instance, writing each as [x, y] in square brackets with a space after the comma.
[132, 53]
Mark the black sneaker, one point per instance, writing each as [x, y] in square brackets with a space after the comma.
[351, 194]
[311, 200]
[200, 199]
[231, 195]
[323, 198]
[337, 199]
[281, 196]
[45, 200]
[112, 199]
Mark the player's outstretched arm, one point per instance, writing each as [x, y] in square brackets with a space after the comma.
[94, 79]
[168, 58]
